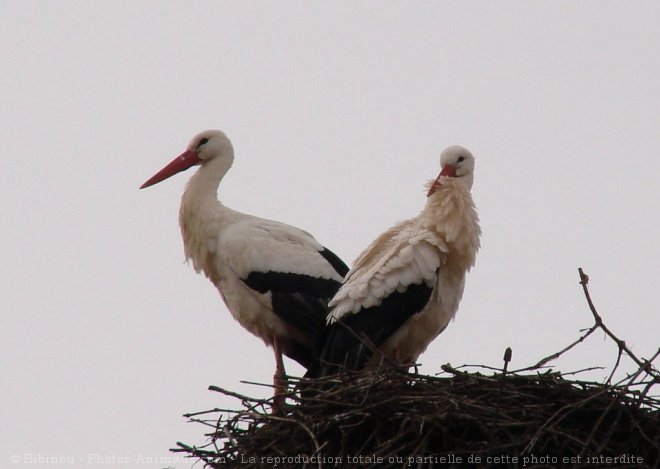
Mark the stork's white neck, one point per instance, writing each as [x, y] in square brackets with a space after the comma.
[203, 185]
[451, 213]
[202, 216]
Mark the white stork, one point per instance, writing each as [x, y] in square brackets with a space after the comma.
[403, 290]
[274, 278]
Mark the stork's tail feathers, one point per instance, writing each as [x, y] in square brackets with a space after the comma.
[343, 348]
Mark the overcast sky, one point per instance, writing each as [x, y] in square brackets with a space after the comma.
[338, 112]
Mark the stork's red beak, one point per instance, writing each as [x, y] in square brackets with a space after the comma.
[182, 162]
[447, 171]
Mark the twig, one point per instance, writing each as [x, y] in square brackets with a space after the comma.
[584, 281]
[507, 359]
[556, 355]
[235, 394]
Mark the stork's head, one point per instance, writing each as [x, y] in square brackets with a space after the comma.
[207, 146]
[456, 162]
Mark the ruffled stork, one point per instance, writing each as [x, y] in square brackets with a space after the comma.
[403, 290]
[274, 278]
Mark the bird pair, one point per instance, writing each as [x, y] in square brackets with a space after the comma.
[283, 286]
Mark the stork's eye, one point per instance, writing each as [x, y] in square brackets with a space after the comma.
[461, 158]
[203, 142]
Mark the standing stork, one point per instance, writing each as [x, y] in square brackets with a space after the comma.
[403, 290]
[274, 278]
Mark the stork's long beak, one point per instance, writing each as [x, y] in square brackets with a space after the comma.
[448, 171]
[182, 162]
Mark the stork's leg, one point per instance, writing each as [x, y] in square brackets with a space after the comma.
[396, 354]
[279, 378]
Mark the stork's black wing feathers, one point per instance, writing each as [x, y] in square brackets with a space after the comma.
[335, 261]
[306, 313]
[345, 342]
[292, 283]
[301, 301]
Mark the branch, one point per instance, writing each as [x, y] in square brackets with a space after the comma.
[643, 364]
[556, 355]
[584, 281]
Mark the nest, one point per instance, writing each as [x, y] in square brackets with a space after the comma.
[475, 417]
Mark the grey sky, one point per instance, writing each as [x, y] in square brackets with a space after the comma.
[338, 112]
